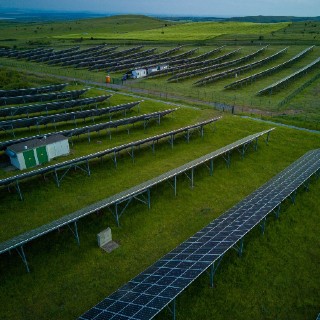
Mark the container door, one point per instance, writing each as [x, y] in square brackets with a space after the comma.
[29, 158]
[42, 154]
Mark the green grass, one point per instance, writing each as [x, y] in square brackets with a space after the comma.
[47, 30]
[187, 31]
[304, 114]
[66, 279]
[278, 275]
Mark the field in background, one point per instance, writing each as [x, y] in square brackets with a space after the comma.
[188, 31]
[276, 278]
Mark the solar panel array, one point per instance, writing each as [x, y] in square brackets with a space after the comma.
[151, 62]
[42, 97]
[185, 63]
[30, 91]
[292, 76]
[183, 75]
[269, 71]
[60, 117]
[20, 240]
[94, 128]
[101, 63]
[152, 290]
[240, 69]
[113, 151]
[210, 65]
[51, 106]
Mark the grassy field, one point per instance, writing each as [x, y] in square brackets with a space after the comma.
[188, 31]
[278, 274]
[24, 34]
[245, 98]
[66, 279]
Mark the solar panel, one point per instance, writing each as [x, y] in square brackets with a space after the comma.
[42, 97]
[59, 117]
[95, 128]
[127, 195]
[210, 65]
[270, 70]
[151, 291]
[77, 161]
[50, 106]
[30, 91]
[250, 66]
[292, 76]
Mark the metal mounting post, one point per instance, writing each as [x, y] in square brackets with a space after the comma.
[293, 196]
[17, 187]
[267, 139]
[75, 231]
[172, 309]
[263, 225]
[306, 185]
[227, 158]
[239, 247]
[255, 146]
[277, 211]
[188, 136]
[211, 167]
[171, 140]
[213, 270]
[23, 257]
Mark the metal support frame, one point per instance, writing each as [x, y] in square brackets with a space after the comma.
[17, 187]
[239, 247]
[243, 149]
[190, 177]
[131, 153]
[227, 158]
[293, 196]
[306, 184]
[85, 168]
[172, 309]
[255, 145]
[173, 185]
[75, 231]
[118, 212]
[23, 257]
[267, 138]
[263, 225]
[277, 211]
[211, 167]
[171, 140]
[213, 270]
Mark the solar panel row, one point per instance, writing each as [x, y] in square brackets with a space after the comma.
[240, 69]
[42, 97]
[51, 106]
[145, 118]
[113, 151]
[184, 75]
[59, 117]
[186, 63]
[210, 65]
[270, 89]
[126, 195]
[30, 91]
[151, 291]
[269, 71]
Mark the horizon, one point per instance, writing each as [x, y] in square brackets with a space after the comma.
[105, 14]
[203, 8]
